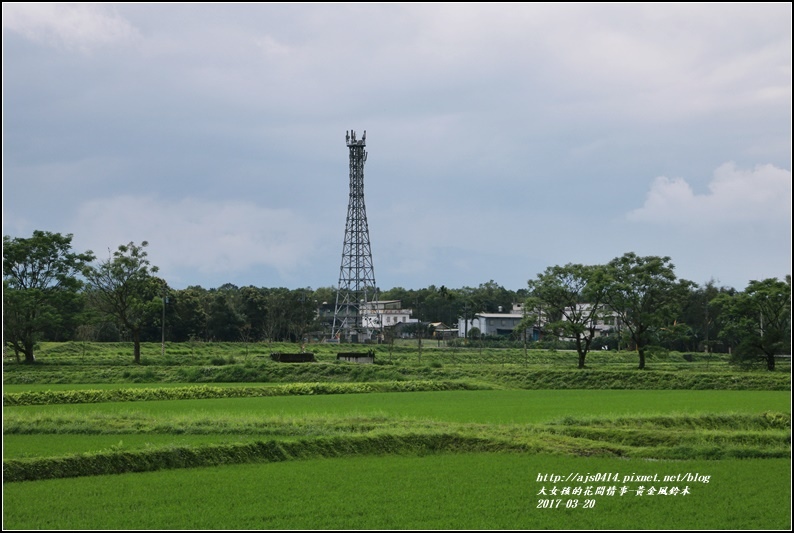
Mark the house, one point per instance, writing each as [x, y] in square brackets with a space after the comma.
[606, 320]
[496, 324]
[385, 313]
[443, 332]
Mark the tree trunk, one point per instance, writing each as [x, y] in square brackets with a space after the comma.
[770, 362]
[642, 358]
[27, 346]
[136, 340]
[582, 350]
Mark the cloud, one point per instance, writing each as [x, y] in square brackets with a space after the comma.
[73, 26]
[487, 133]
[735, 196]
[225, 237]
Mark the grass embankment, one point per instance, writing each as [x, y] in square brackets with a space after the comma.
[137, 394]
[65, 363]
[90, 439]
[405, 353]
[679, 437]
[511, 376]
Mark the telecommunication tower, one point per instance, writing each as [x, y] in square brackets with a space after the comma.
[356, 275]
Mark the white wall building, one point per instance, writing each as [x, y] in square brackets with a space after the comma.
[380, 313]
[490, 323]
[606, 320]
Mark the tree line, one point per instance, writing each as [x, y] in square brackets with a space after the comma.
[51, 292]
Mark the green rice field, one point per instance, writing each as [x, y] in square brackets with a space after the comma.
[449, 491]
[481, 454]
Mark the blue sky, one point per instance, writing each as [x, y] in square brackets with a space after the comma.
[502, 138]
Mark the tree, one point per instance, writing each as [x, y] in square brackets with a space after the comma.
[758, 320]
[530, 321]
[123, 287]
[223, 320]
[189, 319]
[575, 293]
[487, 298]
[254, 310]
[301, 313]
[276, 326]
[695, 328]
[39, 285]
[644, 294]
[467, 311]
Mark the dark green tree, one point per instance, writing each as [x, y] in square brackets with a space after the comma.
[123, 287]
[188, 317]
[276, 326]
[440, 305]
[575, 293]
[301, 314]
[695, 330]
[325, 294]
[40, 287]
[758, 320]
[487, 298]
[399, 293]
[223, 320]
[254, 310]
[645, 295]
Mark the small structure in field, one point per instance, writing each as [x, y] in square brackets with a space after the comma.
[303, 357]
[356, 357]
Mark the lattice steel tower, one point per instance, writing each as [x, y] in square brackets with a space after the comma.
[356, 275]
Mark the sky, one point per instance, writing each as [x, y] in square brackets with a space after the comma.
[502, 139]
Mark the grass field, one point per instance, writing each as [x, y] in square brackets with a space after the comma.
[450, 491]
[428, 459]
[82, 428]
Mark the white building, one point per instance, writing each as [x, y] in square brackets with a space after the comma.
[498, 323]
[605, 319]
[492, 323]
[385, 313]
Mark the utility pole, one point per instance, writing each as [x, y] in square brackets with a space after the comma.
[165, 300]
[707, 328]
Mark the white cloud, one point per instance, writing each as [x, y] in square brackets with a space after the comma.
[79, 26]
[735, 196]
[199, 236]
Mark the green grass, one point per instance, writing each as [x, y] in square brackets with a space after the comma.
[196, 392]
[639, 423]
[104, 356]
[28, 446]
[440, 459]
[457, 491]
[59, 364]
[36, 387]
[485, 406]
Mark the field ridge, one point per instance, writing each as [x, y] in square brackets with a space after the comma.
[593, 437]
[197, 392]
